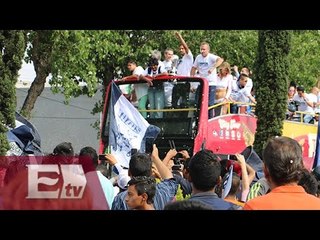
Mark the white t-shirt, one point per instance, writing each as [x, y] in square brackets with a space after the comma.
[138, 71]
[140, 89]
[240, 94]
[225, 83]
[203, 64]
[249, 84]
[168, 86]
[303, 106]
[167, 65]
[185, 64]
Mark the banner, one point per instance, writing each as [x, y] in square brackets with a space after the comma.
[128, 128]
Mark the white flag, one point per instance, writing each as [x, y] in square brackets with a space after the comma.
[128, 128]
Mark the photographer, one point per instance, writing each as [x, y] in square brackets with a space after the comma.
[178, 162]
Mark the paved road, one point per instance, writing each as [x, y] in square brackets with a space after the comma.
[57, 122]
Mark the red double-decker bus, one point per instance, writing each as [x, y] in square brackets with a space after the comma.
[185, 122]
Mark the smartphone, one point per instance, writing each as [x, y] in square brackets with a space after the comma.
[149, 145]
[102, 157]
[233, 157]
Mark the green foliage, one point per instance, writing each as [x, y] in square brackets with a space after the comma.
[95, 56]
[12, 45]
[235, 46]
[304, 58]
[179, 194]
[271, 83]
[72, 58]
[98, 56]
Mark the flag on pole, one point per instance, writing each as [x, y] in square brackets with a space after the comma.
[316, 161]
[127, 129]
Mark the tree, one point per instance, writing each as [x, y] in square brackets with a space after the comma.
[39, 52]
[304, 58]
[99, 56]
[95, 56]
[238, 47]
[271, 85]
[12, 46]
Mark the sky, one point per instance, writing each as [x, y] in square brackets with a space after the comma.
[26, 73]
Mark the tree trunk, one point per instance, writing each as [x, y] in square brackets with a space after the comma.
[34, 92]
[40, 56]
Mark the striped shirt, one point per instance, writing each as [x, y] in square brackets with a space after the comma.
[261, 187]
[165, 192]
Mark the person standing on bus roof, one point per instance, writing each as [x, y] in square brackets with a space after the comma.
[156, 91]
[185, 63]
[169, 67]
[249, 86]
[223, 89]
[206, 64]
[184, 66]
[141, 90]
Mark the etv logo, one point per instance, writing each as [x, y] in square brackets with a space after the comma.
[71, 175]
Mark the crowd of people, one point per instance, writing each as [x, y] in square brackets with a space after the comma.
[203, 181]
[303, 106]
[224, 85]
